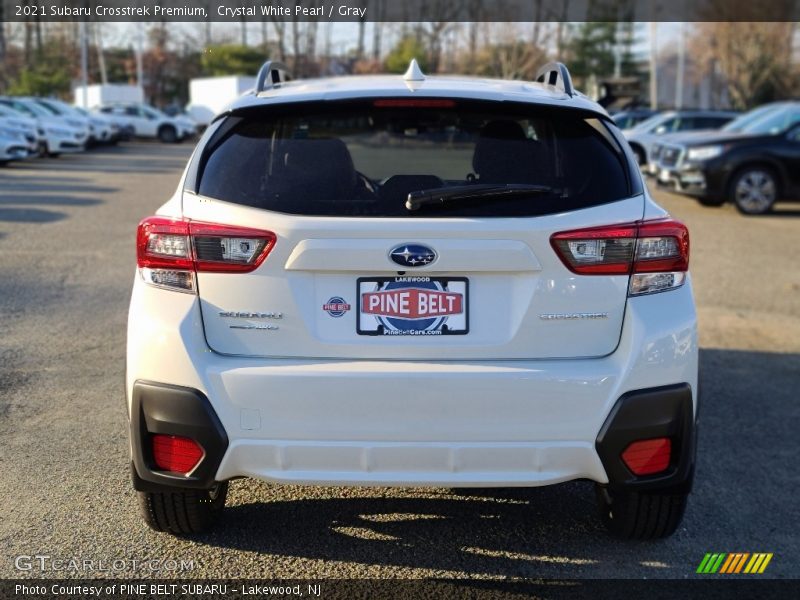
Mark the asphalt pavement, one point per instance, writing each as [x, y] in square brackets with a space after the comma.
[67, 259]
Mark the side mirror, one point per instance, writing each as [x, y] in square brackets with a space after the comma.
[661, 129]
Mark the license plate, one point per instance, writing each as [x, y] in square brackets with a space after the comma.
[412, 305]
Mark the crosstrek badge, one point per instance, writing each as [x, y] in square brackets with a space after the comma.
[412, 303]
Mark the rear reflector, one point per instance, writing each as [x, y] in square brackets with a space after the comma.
[647, 457]
[659, 249]
[170, 251]
[176, 454]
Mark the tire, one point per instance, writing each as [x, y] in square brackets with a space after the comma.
[754, 190]
[167, 135]
[715, 201]
[42, 149]
[185, 512]
[640, 516]
[53, 154]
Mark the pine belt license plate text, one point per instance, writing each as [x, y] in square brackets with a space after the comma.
[412, 305]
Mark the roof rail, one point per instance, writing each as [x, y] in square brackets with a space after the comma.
[552, 72]
[271, 74]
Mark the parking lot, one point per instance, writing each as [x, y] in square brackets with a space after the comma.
[67, 256]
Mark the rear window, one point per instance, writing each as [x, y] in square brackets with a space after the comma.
[364, 159]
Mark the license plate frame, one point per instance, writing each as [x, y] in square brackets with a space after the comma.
[398, 326]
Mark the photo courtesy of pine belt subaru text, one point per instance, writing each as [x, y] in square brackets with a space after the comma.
[410, 280]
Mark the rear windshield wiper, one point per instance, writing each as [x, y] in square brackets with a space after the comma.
[420, 198]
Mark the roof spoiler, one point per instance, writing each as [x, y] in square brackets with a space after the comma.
[556, 74]
[271, 74]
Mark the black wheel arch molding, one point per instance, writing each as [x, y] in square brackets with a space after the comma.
[666, 411]
[158, 408]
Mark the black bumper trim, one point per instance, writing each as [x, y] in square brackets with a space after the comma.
[173, 410]
[644, 414]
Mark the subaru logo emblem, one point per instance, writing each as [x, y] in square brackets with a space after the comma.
[412, 255]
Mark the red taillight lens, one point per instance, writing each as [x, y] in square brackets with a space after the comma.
[655, 253]
[170, 251]
[176, 454]
[163, 243]
[597, 251]
[647, 457]
[662, 246]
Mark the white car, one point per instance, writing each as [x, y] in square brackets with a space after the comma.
[57, 134]
[148, 122]
[12, 119]
[104, 129]
[99, 129]
[413, 281]
[69, 115]
[13, 145]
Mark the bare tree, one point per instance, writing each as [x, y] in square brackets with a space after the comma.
[296, 61]
[511, 55]
[754, 59]
[2, 34]
[101, 58]
[280, 32]
[377, 28]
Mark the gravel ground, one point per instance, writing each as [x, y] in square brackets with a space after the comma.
[66, 263]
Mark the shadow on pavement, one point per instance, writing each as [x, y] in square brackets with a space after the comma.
[30, 215]
[494, 532]
[53, 184]
[49, 200]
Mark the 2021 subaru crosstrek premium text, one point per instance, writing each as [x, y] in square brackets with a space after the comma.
[413, 281]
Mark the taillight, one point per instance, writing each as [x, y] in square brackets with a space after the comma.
[647, 457]
[175, 453]
[170, 251]
[654, 253]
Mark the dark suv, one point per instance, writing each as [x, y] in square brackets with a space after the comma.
[753, 167]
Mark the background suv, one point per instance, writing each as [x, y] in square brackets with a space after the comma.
[411, 280]
[752, 166]
[642, 136]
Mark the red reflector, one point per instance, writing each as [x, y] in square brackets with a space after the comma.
[646, 457]
[415, 102]
[176, 454]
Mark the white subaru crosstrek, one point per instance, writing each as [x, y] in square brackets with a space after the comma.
[413, 281]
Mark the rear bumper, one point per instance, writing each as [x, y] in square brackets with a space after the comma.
[457, 424]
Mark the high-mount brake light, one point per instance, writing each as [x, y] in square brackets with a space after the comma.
[413, 103]
[654, 253]
[170, 251]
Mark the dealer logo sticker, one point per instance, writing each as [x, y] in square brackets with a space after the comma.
[336, 306]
